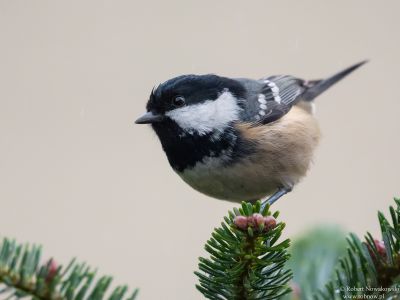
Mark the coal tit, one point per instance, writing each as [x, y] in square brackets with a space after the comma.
[238, 139]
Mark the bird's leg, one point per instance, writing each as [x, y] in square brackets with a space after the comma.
[275, 196]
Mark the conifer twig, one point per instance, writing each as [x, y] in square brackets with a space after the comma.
[246, 261]
[22, 275]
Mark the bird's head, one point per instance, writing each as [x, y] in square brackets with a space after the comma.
[194, 105]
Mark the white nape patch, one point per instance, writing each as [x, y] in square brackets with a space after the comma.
[211, 115]
[275, 90]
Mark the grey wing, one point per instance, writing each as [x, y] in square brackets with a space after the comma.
[270, 98]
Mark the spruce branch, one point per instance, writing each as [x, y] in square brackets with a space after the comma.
[246, 261]
[23, 276]
[370, 268]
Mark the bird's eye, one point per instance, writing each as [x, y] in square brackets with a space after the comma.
[178, 101]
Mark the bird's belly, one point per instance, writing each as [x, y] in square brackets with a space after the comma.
[283, 156]
[231, 182]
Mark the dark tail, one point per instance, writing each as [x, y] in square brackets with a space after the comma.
[320, 86]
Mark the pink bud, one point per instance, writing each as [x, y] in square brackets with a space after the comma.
[52, 270]
[270, 222]
[241, 222]
[251, 221]
[258, 219]
[380, 246]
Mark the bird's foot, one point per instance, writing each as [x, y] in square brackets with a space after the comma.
[275, 196]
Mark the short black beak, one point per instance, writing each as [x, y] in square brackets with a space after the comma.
[149, 118]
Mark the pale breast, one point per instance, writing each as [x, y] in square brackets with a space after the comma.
[233, 182]
[284, 154]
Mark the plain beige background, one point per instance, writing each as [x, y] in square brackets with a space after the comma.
[76, 174]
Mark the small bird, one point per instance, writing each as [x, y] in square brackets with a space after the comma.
[238, 139]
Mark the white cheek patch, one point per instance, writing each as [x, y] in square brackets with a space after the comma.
[211, 115]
